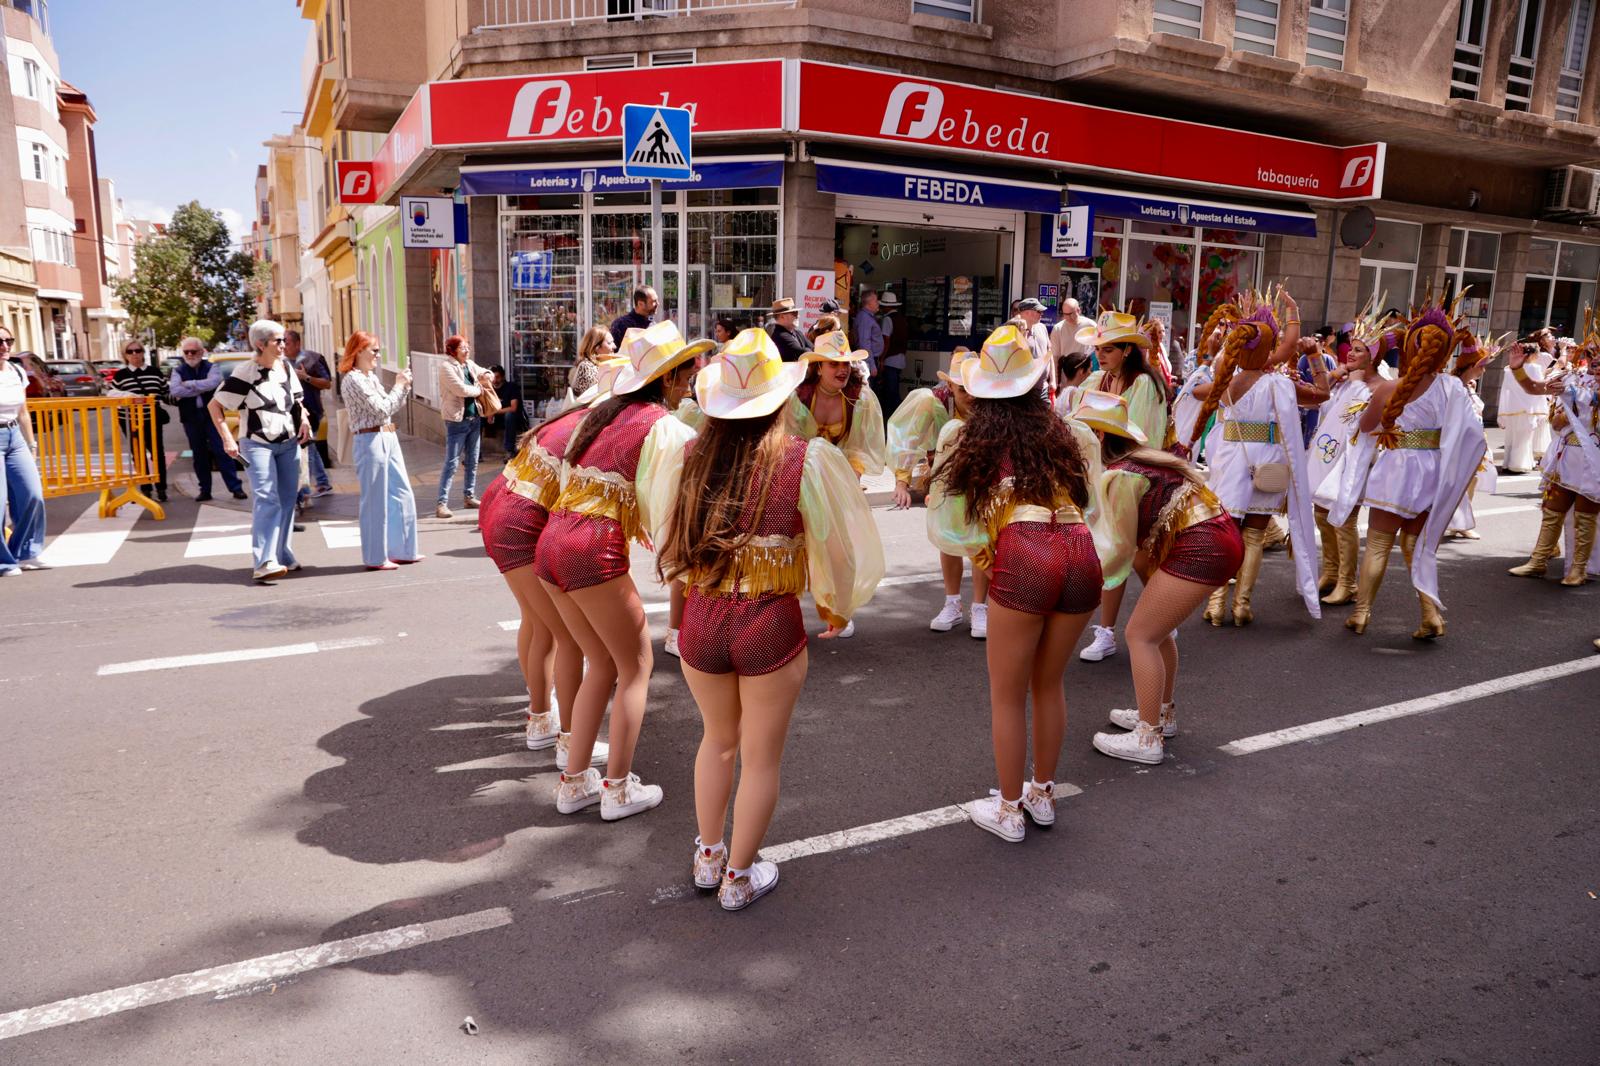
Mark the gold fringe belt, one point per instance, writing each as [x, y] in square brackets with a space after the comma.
[1189, 506]
[765, 566]
[598, 498]
[1250, 432]
[1421, 440]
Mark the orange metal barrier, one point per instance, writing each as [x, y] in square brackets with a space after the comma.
[101, 444]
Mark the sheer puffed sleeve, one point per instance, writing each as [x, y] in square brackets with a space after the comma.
[844, 556]
[660, 471]
[798, 417]
[865, 445]
[1121, 491]
[913, 432]
[689, 414]
[1148, 411]
[949, 527]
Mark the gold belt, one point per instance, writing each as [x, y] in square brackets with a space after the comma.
[1572, 438]
[1422, 440]
[1250, 432]
[1028, 512]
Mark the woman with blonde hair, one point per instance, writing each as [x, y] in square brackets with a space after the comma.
[1014, 491]
[619, 479]
[762, 515]
[595, 346]
[387, 511]
[1419, 446]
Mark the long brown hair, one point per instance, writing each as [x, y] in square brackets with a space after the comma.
[602, 416]
[728, 456]
[1044, 457]
[1134, 364]
[1114, 447]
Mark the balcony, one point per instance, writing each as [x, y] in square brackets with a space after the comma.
[504, 14]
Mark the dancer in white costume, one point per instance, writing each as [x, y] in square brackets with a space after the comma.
[1420, 444]
[1351, 388]
[1469, 368]
[1525, 416]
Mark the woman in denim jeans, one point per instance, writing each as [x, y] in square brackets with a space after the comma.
[273, 424]
[461, 382]
[20, 491]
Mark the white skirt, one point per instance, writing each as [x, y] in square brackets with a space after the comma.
[1229, 476]
[1403, 480]
[1565, 465]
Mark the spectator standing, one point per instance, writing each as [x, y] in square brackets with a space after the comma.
[315, 379]
[191, 386]
[387, 510]
[461, 382]
[645, 303]
[585, 373]
[1064, 336]
[869, 332]
[21, 493]
[783, 327]
[1031, 311]
[722, 331]
[273, 425]
[896, 339]
[139, 379]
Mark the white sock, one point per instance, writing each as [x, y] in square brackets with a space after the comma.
[953, 601]
[734, 873]
[716, 849]
[1044, 786]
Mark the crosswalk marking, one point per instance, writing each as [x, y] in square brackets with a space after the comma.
[341, 533]
[91, 540]
[218, 531]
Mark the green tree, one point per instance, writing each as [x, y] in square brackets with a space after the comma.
[191, 279]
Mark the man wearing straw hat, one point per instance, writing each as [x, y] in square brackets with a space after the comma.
[785, 331]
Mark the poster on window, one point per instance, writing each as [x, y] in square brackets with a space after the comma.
[812, 288]
[1083, 286]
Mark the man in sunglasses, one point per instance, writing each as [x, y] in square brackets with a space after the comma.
[193, 381]
[138, 378]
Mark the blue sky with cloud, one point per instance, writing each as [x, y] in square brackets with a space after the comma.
[185, 92]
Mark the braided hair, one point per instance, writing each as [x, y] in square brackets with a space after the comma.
[1426, 351]
[1248, 347]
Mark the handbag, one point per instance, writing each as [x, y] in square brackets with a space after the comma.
[489, 405]
[1270, 478]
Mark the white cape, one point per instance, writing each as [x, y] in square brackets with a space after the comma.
[1302, 526]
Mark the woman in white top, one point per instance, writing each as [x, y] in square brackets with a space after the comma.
[1525, 416]
[388, 509]
[1350, 386]
[20, 490]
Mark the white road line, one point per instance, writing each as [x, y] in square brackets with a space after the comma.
[885, 830]
[240, 655]
[341, 533]
[217, 532]
[251, 971]
[1528, 507]
[92, 540]
[1423, 704]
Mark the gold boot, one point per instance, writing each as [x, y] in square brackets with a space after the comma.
[1328, 580]
[1349, 558]
[1549, 537]
[1432, 619]
[1373, 564]
[1217, 605]
[1249, 570]
[1582, 545]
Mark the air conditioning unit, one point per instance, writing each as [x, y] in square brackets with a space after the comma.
[1572, 194]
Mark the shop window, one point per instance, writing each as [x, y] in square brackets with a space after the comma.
[1466, 72]
[620, 61]
[954, 285]
[542, 314]
[1255, 26]
[1470, 263]
[1182, 17]
[739, 253]
[1524, 53]
[1327, 26]
[1569, 81]
[960, 10]
[1561, 283]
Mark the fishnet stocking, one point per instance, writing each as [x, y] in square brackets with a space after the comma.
[1163, 605]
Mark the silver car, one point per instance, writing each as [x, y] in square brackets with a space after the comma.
[79, 378]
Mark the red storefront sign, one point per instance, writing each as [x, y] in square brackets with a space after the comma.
[866, 105]
[355, 183]
[723, 97]
[403, 147]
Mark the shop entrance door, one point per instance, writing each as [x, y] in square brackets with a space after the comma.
[684, 300]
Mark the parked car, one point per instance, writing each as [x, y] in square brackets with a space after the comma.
[42, 382]
[227, 362]
[108, 367]
[78, 377]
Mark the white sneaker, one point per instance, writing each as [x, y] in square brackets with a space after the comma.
[709, 865]
[737, 893]
[1128, 718]
[1144, 745]
[442, 511]
[624, 796]
[34, 564]
[980, 621]
[576, 793]
[270, 572]
[848, 631]
[543, 729]
[596, 757]
[1104, 645]
[671, 645]
[1039, 802]
[949, 617]
[1002, 819]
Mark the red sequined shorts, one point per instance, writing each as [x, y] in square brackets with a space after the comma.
[744, 635]
[1208, 553]
[1040, 567]
[511, 528]
[579, 551]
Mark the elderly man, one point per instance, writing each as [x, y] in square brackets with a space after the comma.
[192, 383]
[1064, 337]
[645, 303]
[869, 333]
[784, 330]
[1030, 311]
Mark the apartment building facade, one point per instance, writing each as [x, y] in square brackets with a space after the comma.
[1363, 150]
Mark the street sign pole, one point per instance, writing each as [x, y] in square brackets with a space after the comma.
[657, 242]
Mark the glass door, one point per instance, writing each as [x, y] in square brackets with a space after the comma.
[612, 295]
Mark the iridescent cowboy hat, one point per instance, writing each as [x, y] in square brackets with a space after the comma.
[747, 379]
[1113, 327]
[833, 347]
[610, 366]
[957, 359]
[1005, 367]
[651, 352]
[1108, 413]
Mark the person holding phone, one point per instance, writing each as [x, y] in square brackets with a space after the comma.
[273, 425]
[388, 508]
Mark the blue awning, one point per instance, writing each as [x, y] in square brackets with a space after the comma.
[1298, 221]
[931, 185]
[525, 179]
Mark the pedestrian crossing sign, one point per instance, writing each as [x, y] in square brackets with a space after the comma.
[655, 142]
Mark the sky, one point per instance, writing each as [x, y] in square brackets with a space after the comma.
[185, 91]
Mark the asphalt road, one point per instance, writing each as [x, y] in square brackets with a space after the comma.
[1416, 890]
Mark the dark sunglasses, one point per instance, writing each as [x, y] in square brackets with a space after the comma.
[133, 351]
[7, 340]
[193, 351]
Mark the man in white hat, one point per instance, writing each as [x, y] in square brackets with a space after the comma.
[896, 339]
